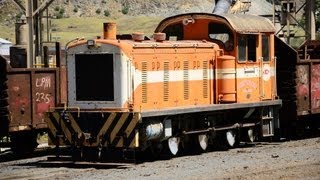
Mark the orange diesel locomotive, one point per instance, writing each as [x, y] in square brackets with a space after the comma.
[203, 78]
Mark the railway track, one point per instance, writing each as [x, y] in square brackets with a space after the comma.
[290, 159]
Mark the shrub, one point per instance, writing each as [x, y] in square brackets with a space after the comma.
[57, 8]
[106, 13]
[58, 15]
[98, 11]
[62, 11]
[18, 16]
[59, 12]
[125, 10]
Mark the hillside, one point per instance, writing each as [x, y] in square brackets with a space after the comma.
[141, 15]
[118, 8]
[84, 18]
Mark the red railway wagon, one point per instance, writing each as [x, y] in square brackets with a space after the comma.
[298, 72]
[26, 95]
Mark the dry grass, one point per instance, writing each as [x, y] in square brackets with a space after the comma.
[67, 29]
[7, 32]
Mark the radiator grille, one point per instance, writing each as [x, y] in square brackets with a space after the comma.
[205, 79]
[166, 81]
[186, 80]
[144, 78]
[94, 77]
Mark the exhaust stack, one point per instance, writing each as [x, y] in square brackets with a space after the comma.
[110, 30]
[222, 6]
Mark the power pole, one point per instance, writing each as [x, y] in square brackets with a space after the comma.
[33, 12]
[310, 19]
[30, 38]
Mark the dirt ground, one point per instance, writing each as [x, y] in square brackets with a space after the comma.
[298, 159]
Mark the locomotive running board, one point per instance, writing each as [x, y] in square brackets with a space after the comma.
[209, 108]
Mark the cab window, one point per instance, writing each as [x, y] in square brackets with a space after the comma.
[266, 48]
[247, 48]
[221, 34]
[174, 31]
[242, 48]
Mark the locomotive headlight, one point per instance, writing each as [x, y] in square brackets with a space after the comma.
[90, 43]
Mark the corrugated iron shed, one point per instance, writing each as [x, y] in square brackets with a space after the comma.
[5, 47]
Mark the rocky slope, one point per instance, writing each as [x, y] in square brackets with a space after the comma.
[113, 8]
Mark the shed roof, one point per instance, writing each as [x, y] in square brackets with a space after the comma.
[3, 41]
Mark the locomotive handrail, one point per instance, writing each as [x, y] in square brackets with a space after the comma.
[275, 79]
[260, 78]
[216, 95]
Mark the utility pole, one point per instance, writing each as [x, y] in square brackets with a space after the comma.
[30, 39]
[310, 19]
[33, 12]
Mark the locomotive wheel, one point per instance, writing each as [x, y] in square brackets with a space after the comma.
[232, 138]
[194, 144]
[250, 135]
[173, 144]
[23, 142]
[203, 141]
[156, 149]
[77, 153]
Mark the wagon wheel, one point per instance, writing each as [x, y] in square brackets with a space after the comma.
[23, 142]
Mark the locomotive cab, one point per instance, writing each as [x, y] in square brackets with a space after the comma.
[245, 67]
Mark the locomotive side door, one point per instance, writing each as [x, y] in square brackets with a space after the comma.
[248, 84]
[266, 66]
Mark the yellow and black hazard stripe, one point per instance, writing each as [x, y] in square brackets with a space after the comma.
[120, 130]
[116, 129]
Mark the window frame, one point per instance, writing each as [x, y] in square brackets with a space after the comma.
[265, 47]
[228, 43]
[246, 48]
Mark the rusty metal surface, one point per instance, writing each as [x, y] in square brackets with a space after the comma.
[310, 50]
[31, 93]
[308, 88]
[303, 90]
[315, 88]
[4, 118]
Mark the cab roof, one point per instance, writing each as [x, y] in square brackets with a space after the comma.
[241, 23]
